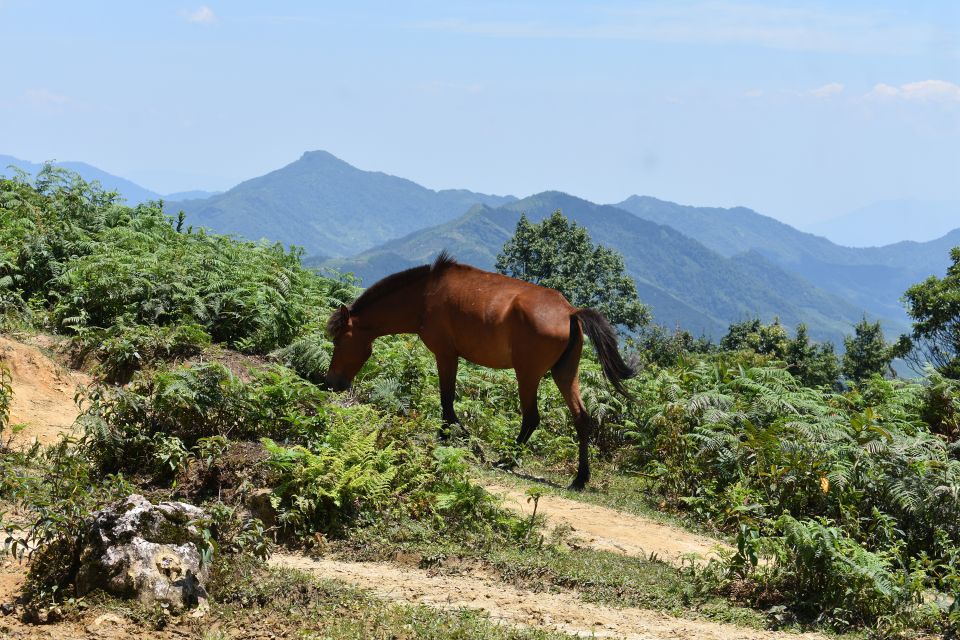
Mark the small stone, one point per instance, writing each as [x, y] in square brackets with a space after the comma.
[107, 617]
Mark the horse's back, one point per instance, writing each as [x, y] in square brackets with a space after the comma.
[495, 320]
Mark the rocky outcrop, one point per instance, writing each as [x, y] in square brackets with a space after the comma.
[135, 549]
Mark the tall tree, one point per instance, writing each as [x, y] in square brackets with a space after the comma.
[867, 353]
[559, 254]
[934, 305]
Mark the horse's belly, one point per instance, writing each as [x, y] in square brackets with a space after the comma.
[484, 346]
[495, 358]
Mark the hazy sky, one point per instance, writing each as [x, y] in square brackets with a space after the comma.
[800, 110]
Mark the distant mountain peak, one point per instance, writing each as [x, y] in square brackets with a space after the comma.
[319, 155]
[477, 208]
[638, 198]
[330, 207]
[890, 221]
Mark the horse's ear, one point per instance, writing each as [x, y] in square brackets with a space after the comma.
[339, 321]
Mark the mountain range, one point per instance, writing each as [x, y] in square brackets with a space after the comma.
[699, 268]
[686, 283]
[890, 221]
[872, 279]
[132, 193]
[329, 207]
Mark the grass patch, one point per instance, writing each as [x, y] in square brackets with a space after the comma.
[620, 581]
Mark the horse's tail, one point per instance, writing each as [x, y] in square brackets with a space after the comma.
[604, 339]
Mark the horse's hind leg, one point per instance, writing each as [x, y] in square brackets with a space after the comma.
[566, 373]
[447, 372]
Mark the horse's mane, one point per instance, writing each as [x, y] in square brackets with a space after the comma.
[385, 286]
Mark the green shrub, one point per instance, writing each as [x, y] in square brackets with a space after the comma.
[151, 425]
[123, 349]
[55, 489]
[309, 355]
[368, 469]
[350, 474]
[829, 575]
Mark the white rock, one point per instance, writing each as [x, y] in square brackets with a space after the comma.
[135, 549]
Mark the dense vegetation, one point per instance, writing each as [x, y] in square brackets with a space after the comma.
[843, 499]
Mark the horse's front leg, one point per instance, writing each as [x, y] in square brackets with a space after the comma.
[527, 385]
[447, 372]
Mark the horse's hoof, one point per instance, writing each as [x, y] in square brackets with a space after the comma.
[505, 464]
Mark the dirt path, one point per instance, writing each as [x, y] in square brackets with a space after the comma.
[559, 611]
[43, 392]
[611, 530]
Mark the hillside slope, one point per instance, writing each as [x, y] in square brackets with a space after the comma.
[328, 207]
[686, 283]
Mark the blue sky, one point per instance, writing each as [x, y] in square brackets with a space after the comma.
[800, 110]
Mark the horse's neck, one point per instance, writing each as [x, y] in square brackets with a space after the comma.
[398, 312]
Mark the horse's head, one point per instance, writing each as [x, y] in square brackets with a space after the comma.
[351, 348]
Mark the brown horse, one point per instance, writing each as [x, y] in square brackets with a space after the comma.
[489, 319]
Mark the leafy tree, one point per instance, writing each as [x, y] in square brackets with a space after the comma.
[867, 353]
[765, 339]
[814, 364]
[657, 345]
[559, 254]
[934, 305]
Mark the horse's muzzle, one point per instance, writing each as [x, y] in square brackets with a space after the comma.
[335, 382]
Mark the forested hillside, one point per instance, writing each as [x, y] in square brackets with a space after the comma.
[328, 207]
[685, 283]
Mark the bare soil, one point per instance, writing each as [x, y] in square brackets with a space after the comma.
[105, 626]
[611, 530]
[12, 577]
[562, 611]
[43, 393]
